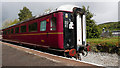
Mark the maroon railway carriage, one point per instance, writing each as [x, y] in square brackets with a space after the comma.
[57, 30]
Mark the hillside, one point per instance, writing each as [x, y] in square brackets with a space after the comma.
[110, 26]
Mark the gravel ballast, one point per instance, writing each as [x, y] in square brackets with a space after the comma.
[104, 59]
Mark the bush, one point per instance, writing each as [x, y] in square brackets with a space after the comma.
[109, 45]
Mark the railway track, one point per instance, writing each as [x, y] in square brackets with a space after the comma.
[52, 57]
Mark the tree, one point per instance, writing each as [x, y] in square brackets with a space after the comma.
[110, 26]
[13, 22]
[25, 13]
[91, 28]
[6, 23]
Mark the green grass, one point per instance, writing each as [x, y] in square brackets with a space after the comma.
[104, 41]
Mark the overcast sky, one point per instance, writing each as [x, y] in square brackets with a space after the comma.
[103, 11]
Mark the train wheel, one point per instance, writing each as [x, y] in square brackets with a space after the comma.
[65, 54]
[20, 44]
[77, 56]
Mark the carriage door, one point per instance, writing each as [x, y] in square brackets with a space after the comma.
[52, 38]
[44, 32]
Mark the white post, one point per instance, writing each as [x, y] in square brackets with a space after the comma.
[84, 29]
[79, 30]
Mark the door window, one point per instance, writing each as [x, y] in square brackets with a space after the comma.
[53, 24]
[43, 26]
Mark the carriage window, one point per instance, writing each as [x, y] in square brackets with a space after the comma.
[4, 32]
[43, 26]
[23, 29]
[33, 27]
[8, 31]
[53, 24]
[17, 30]
[12, 30]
